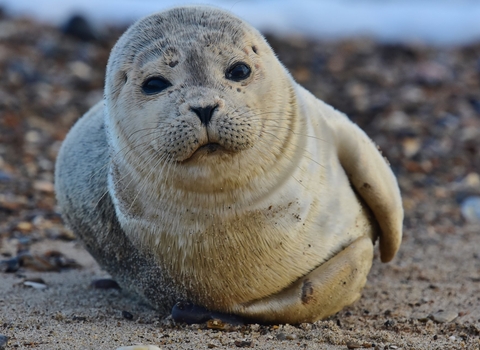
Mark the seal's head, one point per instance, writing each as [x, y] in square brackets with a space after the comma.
[194, 90]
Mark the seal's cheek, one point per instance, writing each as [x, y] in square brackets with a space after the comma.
[116, 85]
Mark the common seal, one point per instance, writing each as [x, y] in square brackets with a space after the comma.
[207, 175]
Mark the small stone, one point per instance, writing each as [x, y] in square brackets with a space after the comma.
[452, 337]
[80, 70]
[211, 346]
[444, 316]
[105, 283]
[43, 186]
[35, 279]
[127, 315]
[10, 265]
[35, 284]
[243, 343]
[79, 27]
[389, 323]
[139, 347]
[79, 318]
[216, 324]
[24, 226]
[281, 336]
[3, 341]
[420, 316]
[411, 146]
[354, 345]
[291, 336]
[471, 180]
[470, 209]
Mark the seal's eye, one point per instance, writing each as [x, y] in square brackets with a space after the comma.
[237, 72]
[154, 85]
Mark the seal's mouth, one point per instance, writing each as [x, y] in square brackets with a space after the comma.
[209, 148]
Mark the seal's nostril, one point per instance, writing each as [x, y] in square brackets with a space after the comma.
[204, 113]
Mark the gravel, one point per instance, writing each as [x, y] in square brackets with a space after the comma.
[420, 104]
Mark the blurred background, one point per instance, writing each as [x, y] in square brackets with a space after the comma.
[408, 72]
[429, 21]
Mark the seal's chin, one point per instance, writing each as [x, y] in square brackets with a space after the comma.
[206, 151]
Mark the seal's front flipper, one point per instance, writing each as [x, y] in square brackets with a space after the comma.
[323, 292]
[372, 178]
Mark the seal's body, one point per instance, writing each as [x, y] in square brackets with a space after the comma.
[208, 175]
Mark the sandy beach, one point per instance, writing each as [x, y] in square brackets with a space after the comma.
[420, 104]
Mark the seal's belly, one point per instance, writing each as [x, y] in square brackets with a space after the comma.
[222, 263]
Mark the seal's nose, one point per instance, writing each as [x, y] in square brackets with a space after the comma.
[204, 113]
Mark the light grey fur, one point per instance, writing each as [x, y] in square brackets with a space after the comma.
[82, 192]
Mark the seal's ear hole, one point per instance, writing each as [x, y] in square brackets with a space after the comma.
[254, 48]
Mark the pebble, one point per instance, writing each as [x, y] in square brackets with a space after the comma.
[216, 324]
[10, 265]
[470, 209]
[127, 315]
[139, 347]
[25, 226]
[105, 283]
[43, 186]
[355, 345]
[79, 27]
[444, 316]
[283, 336]
[243, 343]
[3, 341]
[36, 283]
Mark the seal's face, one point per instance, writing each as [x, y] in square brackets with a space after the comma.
[195, 89]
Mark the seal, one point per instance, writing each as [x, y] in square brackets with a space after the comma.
[208, 176]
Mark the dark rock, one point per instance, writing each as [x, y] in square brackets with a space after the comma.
[79, 27]
[105, 283]
[243, 343]
[10, 265]
[127, 315]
